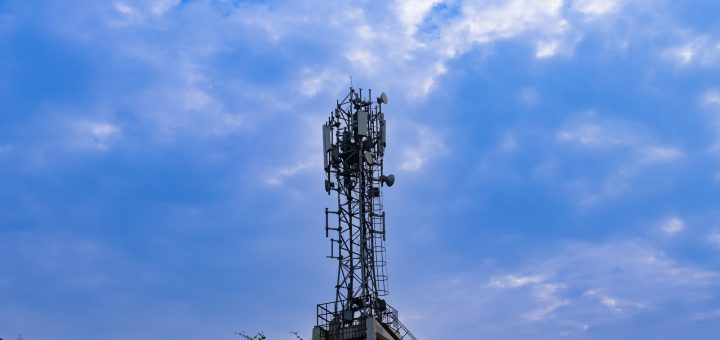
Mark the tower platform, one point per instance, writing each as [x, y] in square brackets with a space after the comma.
[371, 330]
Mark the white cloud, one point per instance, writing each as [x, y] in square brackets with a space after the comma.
[701, 50]
[483, 24]
[548, 294]
[134, 12]
[428, 145]
[437, 70]
[93, 135]
[673, 225]
[595, 7]
[123, 8]
[160, 7]
[590, 134]
[362, 56]
[314, 82]
[412, 13]
[122, 14]
[684, 54]
[408, 57]
[546, 49]
[661, 154]
[102, 130]
[397, 51]
[515, 281]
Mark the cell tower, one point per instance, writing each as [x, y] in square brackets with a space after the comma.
[354, 141]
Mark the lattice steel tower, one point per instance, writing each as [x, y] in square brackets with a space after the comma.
[354, 141]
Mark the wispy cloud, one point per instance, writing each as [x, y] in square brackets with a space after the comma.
[590, 130]
[571, 290]
[710, 100]
[315, 82]
[125, 13]
[302, 157]
[160, 7]
[701, 50]
[427, 145]
[515, 281]
[673, 225]
[714, 238]
[101, 133]
[707, 316]
[635, 148]
[280, 174]
[614, 304]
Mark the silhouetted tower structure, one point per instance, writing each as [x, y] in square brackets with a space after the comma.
[354, 140]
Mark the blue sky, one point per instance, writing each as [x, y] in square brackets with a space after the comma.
[558, 165]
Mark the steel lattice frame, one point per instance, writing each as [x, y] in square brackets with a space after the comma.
[354, 147]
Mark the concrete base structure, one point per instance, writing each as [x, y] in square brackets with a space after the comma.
[374, 330]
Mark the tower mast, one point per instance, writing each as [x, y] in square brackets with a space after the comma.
[354, 141]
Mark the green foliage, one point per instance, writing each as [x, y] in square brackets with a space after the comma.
[20, 337]
[258, 336]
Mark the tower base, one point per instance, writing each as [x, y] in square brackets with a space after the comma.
[373, 330]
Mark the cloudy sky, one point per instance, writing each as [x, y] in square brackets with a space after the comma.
[557, 163]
